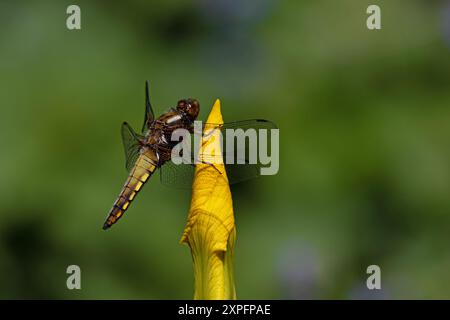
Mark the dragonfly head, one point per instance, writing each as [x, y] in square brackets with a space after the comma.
[189, 107]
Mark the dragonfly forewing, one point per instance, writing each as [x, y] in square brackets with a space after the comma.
[239, 149]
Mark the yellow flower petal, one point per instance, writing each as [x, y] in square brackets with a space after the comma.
[210, 231]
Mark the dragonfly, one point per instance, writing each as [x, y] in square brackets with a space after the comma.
[151, 150]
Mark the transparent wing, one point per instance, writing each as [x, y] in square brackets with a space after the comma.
[248, 124]
[131, 145]
[181, 175]
[241, 145]
[239, 149]
[177, 176]
[149, 114]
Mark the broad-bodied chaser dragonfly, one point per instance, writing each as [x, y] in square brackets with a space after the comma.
[152, 149]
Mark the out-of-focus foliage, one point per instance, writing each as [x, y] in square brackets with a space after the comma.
[364, 124]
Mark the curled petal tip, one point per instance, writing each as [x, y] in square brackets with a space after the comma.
[215, 116]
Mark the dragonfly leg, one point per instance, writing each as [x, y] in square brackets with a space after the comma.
[201, 133]
[159, 161]
[211, 164]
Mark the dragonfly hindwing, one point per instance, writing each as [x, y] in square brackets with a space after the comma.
[132, 144]
[241, 168]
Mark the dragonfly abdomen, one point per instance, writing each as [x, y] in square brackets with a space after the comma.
[139, 175]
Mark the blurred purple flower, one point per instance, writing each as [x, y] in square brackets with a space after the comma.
[233, 15]
[446, 23]
[298, 271]
[230, 47]
[361, 292]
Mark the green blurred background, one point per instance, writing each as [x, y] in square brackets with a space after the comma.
[364, 125]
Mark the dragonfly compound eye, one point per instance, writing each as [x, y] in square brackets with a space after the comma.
[190, 107]
[193, 108]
